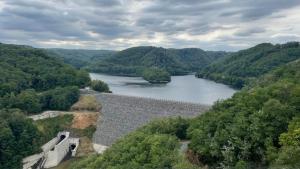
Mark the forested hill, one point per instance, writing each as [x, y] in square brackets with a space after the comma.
[133, 61]
[240, 67]
[26, 71]
[79, 57]
[31, 81]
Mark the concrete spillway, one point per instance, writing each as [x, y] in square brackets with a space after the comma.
[123, 114]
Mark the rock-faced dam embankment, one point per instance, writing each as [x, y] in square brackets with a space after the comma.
[123, 114]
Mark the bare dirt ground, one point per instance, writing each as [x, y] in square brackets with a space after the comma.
[83, 120]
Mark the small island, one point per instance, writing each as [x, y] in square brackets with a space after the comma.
[156, 76]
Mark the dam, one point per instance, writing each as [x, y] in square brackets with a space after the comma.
[123, 114]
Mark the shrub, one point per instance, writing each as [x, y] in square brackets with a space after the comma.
[100, 86]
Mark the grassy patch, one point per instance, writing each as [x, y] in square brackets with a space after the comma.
[85, 147]
[87, 132]
[87, 103]
[51, 126]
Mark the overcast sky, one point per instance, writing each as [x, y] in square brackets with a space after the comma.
[119, 24]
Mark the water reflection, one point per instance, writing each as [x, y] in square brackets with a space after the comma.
[181, 88]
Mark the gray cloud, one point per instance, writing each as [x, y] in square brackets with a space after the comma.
[115, 24]
[250, 31]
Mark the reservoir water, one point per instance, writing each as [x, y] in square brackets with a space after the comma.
[186, 88]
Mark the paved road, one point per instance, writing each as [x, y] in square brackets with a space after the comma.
[122, 114]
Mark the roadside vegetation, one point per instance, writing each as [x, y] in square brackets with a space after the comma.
[51, 126]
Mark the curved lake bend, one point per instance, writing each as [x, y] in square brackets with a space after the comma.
[182, 88]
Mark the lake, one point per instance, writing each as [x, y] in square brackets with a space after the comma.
[186, 88]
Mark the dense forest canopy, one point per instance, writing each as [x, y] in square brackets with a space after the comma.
[246, 129]
[31, 80]
[24, 67]
[132, 61]
[18, 138]
[240, 67]
[156, 75]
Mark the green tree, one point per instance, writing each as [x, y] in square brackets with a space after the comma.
[156, 75]
[18, 138]
[60, 98]
[173, 126]
[289, 153]
[100, 86]
[29, 101]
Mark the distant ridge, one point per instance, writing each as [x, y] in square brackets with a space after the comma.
[132, 61]
[79, 57]
[240, 67]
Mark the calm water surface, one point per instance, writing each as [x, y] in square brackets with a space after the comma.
[181, 88]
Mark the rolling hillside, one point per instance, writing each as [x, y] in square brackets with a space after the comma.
[132, 61]
[24, 67]
[240, 67]
[79, 57]
[33, 81]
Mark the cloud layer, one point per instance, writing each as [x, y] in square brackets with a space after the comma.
[119, 24]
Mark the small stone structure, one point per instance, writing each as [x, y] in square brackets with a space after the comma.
[53, 152]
